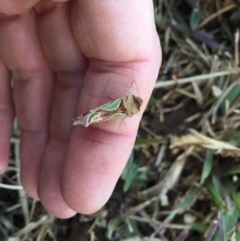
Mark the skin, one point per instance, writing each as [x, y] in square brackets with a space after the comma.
[67, 57]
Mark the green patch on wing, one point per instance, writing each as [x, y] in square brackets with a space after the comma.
[111, 106]
[116, 116]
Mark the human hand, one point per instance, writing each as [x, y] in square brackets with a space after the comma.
[67, 58]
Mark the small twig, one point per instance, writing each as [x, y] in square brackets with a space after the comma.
[236, 48]
[167, 83]
[11, 187]
[221, 11]
[223, 96]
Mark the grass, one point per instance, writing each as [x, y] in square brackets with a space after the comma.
[182, 179]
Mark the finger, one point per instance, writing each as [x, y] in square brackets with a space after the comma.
[119, 39]
[33, 90]
[12, 7]
[68, 62]
[6, 115]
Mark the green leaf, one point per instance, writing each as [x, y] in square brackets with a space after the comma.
[230, 220]
[195, 18]
[232, 136]
[184, 205]
[129, 173]
[131, 176]
[128, 166]
[214, 192]
[237, 237]
[112, 226]
[189, 199]
[131, 229]
[143, 176]
[198, 227]
[152, 101]
[94, 224]
[233, 94]
[229, 170]
[233, 192]
[207, 167]
[231, 97]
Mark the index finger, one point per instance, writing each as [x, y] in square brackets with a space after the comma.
[116, 37]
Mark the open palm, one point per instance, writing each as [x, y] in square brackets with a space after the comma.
[67, 58]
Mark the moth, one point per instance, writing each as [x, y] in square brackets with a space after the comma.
[120, 108]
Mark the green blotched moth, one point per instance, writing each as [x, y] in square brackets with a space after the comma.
[120, 108]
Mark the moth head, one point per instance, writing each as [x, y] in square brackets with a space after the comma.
[131, 104]
[80, 121]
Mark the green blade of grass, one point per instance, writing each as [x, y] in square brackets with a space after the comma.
[195, 18]
[237, 237]
[233, 192]
[232, 136]
[231, 97]
[189, 199]
[229, 220]
[214, 192]
[142, 142]
[131, 176]
[129, 173]
[112, 226]
[184, 205]
[127, 167]
[207, 167]
[229, 170]
[199, 227]
[94, 224]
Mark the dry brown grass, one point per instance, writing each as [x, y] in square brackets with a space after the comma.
[181, 181]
